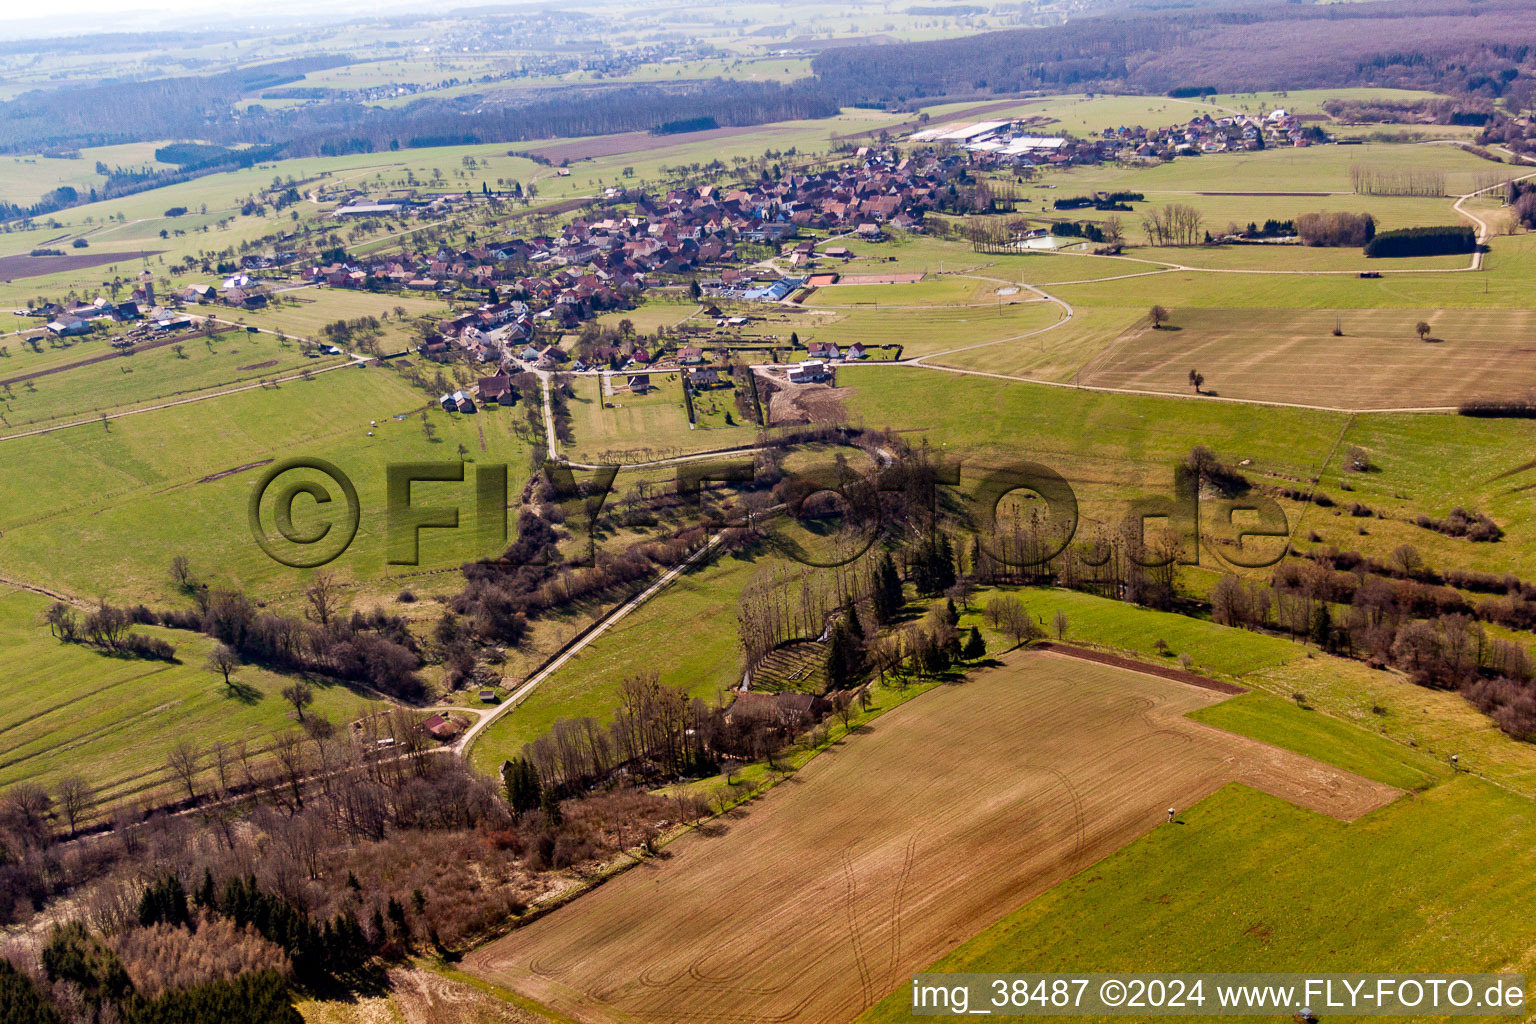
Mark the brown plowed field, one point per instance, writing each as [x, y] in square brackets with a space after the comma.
[1291, 355]
[885, 853]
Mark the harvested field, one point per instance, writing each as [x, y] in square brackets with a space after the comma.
[15, 268]
[856, 279]
[1291, 355]
[628, 142]
[815, 901]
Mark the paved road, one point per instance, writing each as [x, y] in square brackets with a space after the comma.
[607, 622]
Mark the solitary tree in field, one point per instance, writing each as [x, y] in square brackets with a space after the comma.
[224, 661]
[1158, 315]
[1422, 329]
[1196, 378]
[1059, 624]
[300, 695]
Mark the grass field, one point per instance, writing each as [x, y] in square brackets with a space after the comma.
[1250, 883]
[305, 312]
[71, 709]
[134, 492]
[162, 374]
[1112, 446]
[1273, 719]
[1427, 465]
[871, 863]
[935, 291]
[687, 635]
[1424, 727]
[1292, 356]
[920, 330]
[1217, 651]
[1056, 355]
[657, 422]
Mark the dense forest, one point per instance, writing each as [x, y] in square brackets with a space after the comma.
[1462, 47]
[201, 107]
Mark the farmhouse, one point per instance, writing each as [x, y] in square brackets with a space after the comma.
[440, 727]
[68, 326]
[497, 388]
[809, 371]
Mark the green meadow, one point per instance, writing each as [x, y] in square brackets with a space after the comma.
[178, 480]
[687, 635]
[1250, 882]
[71, 709]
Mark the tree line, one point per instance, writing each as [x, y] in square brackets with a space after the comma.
[1425, 241]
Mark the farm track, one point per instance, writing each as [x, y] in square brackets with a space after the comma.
[868, 866]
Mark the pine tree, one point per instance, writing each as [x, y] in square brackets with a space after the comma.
[888, 597]
[1322, 628]
[521, 781]
[944, 575]
[551, 808]
[206, 896]
[975, 647]
[837, 657]
[950, 611]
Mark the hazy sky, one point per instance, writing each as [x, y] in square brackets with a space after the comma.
[72, 17]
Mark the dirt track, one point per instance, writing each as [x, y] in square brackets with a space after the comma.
[885, 853]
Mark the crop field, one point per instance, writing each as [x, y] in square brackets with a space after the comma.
[71, 709]
[870, 864]
[1351, 710]
[1055, 355]
[1292, 356]
[1313, 169]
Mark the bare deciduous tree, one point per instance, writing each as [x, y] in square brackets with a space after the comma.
[224, 661]
[76, 797]
[322, 598]
[185, 762]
